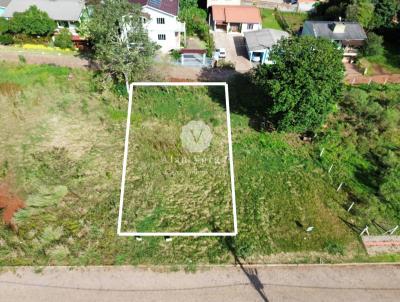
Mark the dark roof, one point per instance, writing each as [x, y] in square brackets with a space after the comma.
[325, 29]
[262, 39]
[168, 6]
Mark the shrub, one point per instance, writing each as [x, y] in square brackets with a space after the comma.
[175, 54]
[6, 39]
[373, 47]
[26, 39]
[63, 39]
[4, 25]
[32, 22]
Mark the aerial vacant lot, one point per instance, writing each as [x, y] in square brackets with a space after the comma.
[62, 148]
[169, 188]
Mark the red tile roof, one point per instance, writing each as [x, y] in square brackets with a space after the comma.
[168, 6]
[236, 14]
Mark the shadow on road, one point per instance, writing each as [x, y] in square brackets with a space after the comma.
[251, 273]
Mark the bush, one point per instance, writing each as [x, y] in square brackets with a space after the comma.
[6, 39]
[32, 22]
[373, 46]
[63, 39]
[4, 25]
[26, 39]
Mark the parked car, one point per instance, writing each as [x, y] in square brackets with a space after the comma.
[221, 52]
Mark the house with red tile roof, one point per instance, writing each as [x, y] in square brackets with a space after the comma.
[160, 18]
[235, 18]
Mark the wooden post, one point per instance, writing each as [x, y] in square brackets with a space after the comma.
[340, 186]
[330, 168]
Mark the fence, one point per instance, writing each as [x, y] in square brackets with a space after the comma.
[379, 79]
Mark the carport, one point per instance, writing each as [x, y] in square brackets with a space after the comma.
[193, 57]
[259, 43]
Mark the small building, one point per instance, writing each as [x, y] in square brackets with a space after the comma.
[306, 5]
[3, 5]
[259, 43]
[349, 35]
[235, 18]
[66, 13]
[160, 18]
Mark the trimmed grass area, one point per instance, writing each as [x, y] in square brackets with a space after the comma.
[269, 20]
[287, 21]
[62, 153]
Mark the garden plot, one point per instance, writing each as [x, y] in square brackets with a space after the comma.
[178, 168]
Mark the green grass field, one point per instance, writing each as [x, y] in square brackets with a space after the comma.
[169, 188]
[290, 21]
[62, 152]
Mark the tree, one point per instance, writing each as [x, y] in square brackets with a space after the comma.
[4, 25]
[361, 11]
[385, 12]
[121, 44]
[374, 45]
[303, 84]
[63, 39]
[33, 22]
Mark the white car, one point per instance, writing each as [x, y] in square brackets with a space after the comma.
[221, 52]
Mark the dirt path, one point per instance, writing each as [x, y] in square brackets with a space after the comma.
[354, 77]
[37, 57]
[274, 283]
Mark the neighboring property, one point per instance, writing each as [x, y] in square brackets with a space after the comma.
[3, 5]
[306, 5]
[349, 35]
[259, 43]
[223, 2]
[234, 18]
[160, 18]
[66, 13]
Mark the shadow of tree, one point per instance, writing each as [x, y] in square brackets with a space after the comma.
[251, 273]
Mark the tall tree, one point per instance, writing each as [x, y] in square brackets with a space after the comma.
[121, 43]
[32, 22]
[361, 11]
[303, 84]
[385, 12]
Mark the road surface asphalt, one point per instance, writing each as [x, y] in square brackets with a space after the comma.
[267, 283]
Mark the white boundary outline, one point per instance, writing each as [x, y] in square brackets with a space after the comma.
[125, 160]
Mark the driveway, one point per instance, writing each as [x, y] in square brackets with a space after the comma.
[264, 283]
[235, 49]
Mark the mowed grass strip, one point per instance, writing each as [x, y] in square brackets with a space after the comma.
[168, 188]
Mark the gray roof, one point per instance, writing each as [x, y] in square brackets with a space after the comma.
[264, 38]
[324, 29]
[4, 3]
[61, 10]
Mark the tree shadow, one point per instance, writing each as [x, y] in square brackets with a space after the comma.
[245, 99]
[251, 273]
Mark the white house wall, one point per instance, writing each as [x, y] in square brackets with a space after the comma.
[171, 29]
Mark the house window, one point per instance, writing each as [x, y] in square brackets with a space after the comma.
[161, 37]
[160, 20]
[250, 26]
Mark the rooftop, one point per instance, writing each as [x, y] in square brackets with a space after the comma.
[264, 38]
[336, 30]
[168, 6]
[4, 3]
[61, 10]
[236, 14]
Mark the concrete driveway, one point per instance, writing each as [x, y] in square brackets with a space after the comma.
[235, 49]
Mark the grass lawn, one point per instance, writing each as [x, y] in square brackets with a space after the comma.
[389, 62]
[269, 20]
[294, 21]
[62, 153]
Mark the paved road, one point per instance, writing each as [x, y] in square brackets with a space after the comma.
[273, 283]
